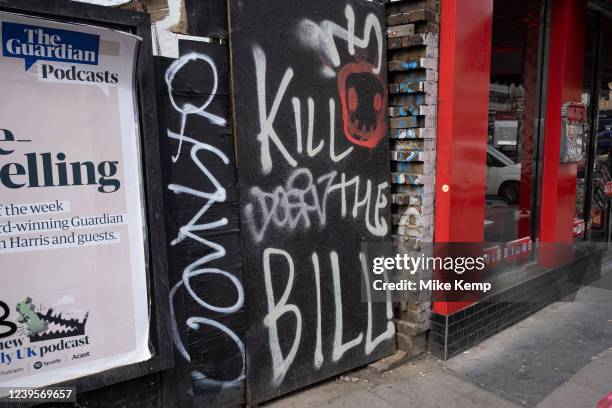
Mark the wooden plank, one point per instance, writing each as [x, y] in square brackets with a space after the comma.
[403, 30]
[413, 167]
[412, 17]
[407, 100]
[414, 87]
[417, 99]
[410, 156]
[295, 234]
[403, 6]
[411, 110]
[413, 63]
[413, 76]
[206, 18]
[412, 133]
[411, 178]
[413, 41]
[198, 157]
[413, 144]
[409, 53]
[413, 122]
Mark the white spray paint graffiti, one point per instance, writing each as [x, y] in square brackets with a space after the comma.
[280, 365]
[189, 231]
[266, 119]
[370, 344]
[339, 347]
[277, 207]
[292, 205]
[322, 37]
[303, 195]
[188, 108]
[267, 135]
[277, 309]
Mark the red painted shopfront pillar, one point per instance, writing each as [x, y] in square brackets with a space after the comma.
[463, 103]
[564, 83]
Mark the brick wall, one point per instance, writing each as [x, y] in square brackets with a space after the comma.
[412, 41]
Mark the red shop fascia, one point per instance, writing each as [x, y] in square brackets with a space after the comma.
[465, 75]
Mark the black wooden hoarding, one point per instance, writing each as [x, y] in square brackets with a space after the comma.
[207, 18]
[310, 102]
[202, 222]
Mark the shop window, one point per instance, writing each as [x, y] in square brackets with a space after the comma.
[594, 182]
[513, 123]
[588, 91]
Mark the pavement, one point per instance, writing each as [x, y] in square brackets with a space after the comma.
[560, 357]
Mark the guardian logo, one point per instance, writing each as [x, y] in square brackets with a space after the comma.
[34, 43]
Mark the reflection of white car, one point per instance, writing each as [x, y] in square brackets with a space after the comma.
[503, 176]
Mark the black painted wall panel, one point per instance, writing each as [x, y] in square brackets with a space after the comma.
[308, 206]
[207, 18]
[203, 224]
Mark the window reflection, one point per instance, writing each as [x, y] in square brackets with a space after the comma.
[594, 173]
[600, 204]
[512, 119]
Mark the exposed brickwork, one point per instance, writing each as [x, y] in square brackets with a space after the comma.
[412, 42]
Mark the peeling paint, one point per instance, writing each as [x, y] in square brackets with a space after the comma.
[166, 41]
[167, 17]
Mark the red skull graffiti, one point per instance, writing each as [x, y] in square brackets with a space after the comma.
[364, 104]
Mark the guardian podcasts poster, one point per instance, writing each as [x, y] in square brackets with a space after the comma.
[73, 295]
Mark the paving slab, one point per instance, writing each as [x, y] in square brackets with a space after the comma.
[438, 389]
[528, 361]
[360, 399]
[559, 357]
[597, 375]
[571, 395]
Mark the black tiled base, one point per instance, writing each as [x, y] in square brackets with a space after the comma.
[452, 334]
